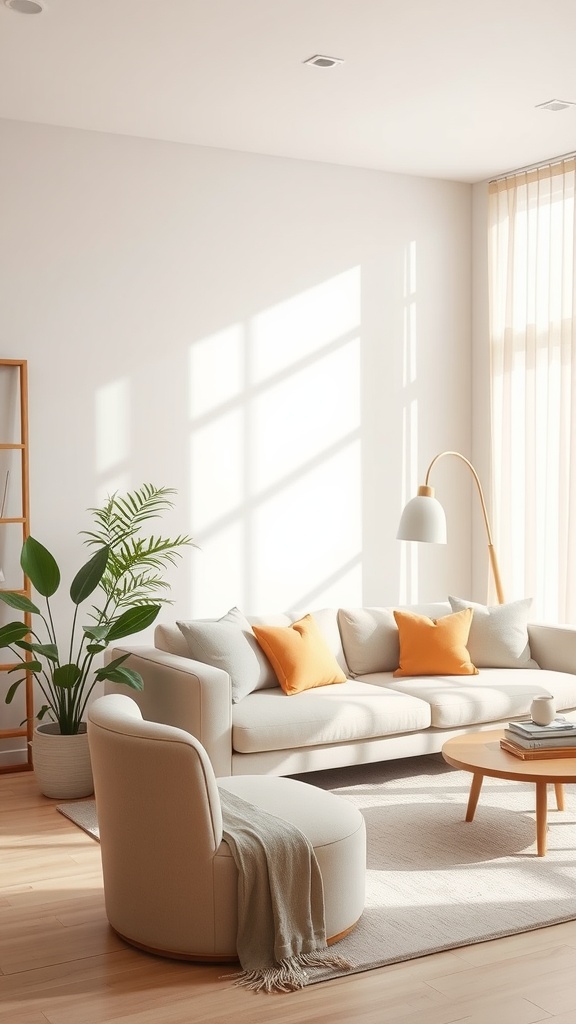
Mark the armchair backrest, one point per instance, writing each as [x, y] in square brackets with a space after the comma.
[159, 816]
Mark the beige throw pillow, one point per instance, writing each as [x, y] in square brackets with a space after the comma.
[370, 639]
[499, 634]
[229, 643]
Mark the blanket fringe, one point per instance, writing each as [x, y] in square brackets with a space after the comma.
[290, 974]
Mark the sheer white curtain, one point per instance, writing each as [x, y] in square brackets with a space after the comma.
[532, 237]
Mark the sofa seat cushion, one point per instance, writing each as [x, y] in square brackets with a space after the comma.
[338, 713]
[495, 694]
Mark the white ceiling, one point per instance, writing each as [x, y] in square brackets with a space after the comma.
[443, 88]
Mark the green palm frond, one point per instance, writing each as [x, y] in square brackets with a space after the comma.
[121, 516]
[135, 565]
[160, 548]
[133, 583]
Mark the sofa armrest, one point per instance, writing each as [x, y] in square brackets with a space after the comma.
[184, 693]
[553, 647]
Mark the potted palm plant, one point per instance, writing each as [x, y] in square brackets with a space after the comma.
[125, 579]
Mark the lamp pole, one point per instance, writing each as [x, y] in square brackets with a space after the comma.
[428, 491]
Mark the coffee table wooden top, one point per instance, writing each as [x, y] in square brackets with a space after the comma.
[481, 752]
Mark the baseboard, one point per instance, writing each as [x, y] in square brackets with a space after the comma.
[13, 757]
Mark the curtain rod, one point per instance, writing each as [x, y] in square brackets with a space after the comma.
[532, 167]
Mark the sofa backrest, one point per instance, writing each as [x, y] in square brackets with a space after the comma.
[167, 636]
[370, 635]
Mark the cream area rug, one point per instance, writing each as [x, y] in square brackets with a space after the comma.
[435, 882]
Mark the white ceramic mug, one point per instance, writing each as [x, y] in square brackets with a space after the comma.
[543, 710]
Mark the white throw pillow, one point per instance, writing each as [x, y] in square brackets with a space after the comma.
[499, 634]
[229, 643]
[370, 639]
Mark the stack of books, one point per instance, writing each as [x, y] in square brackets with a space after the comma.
[531, 742]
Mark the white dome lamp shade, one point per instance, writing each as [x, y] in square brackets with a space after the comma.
[423, 519]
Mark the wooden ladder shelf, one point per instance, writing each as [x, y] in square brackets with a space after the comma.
[18, 368]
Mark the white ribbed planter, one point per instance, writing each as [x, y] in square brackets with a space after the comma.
[62, 763]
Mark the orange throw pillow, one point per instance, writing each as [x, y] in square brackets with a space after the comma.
[299, 655]
[430, 647]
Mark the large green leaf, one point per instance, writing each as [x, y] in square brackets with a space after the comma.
[29, 666]
[88, 577]
[127, 676]
[12, 690]
[12, 632]
[18, 601]
[40, 567]
[96, 632]
[49, 651]
[101, 673]
[66, 676]
[132, 621]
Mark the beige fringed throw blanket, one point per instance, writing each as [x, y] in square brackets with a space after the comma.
[281, 930]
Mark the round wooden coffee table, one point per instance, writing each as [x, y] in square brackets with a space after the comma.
[481, 754]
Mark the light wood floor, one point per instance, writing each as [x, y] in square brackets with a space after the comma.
[60, 962]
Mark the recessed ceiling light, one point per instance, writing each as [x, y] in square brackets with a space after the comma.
[555, 105]
[319, 61]
[25, 6]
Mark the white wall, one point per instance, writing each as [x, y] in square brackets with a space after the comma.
[287, 343]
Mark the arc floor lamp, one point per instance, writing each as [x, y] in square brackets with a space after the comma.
[424, 518]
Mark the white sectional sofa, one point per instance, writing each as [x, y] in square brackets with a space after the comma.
[370, 717]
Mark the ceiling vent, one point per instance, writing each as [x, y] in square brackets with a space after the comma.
[318, 61]
[555, 105]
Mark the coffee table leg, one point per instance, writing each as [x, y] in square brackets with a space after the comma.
[477, 780]
[559, 788]
[541, 815]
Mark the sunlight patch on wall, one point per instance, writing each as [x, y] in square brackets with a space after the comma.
[409, 366]
[306, 530]
[218, 575]
[217, 469]
[216, 370]
[302, 416]
[275, 455]
[112, 424]
[302, 325]
[409, 565]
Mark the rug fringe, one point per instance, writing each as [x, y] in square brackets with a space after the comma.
[289, 974]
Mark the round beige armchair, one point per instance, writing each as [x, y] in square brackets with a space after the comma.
[170, 881]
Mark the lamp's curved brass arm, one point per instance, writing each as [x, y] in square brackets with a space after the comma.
[491, 551]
